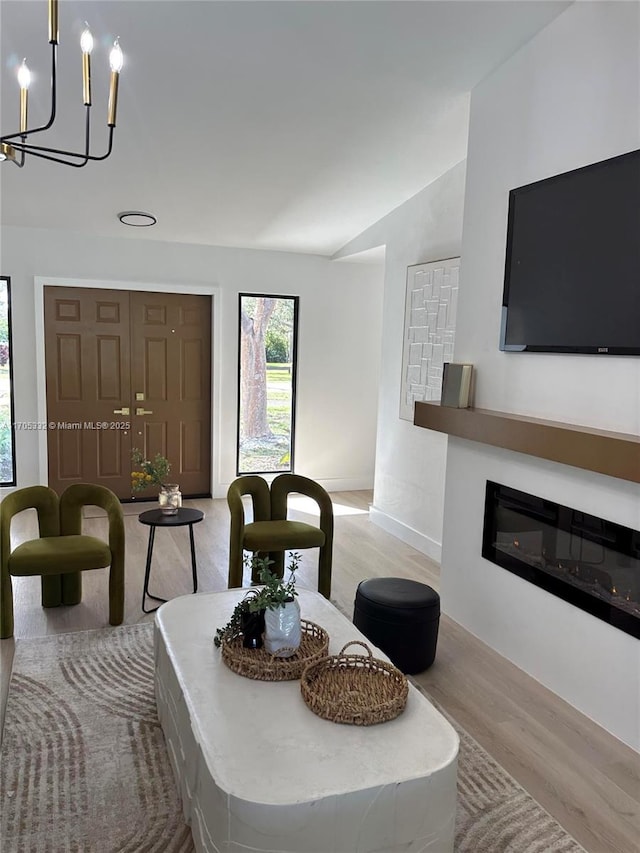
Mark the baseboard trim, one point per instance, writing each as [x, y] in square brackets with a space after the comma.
[357, 484]
[409, 535]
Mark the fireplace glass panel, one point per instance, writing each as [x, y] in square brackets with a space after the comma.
[588, 561]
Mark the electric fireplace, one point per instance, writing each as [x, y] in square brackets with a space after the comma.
[590, 562]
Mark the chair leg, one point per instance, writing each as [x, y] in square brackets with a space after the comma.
[255, 571]
[116, 593]
[72, 588]
[278, 563]
[235, 565]
[324, 572]
[6, 608]
[51, 586]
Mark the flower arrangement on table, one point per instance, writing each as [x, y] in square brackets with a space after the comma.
[151, 472]
[155, 471]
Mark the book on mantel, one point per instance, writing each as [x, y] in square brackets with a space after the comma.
[456, 385]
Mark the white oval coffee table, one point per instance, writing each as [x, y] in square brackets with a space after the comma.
[258, 771]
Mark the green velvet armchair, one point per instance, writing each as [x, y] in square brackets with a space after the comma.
[61, 552]
[272, 532]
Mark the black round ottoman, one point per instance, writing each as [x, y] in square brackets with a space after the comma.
[401, 617]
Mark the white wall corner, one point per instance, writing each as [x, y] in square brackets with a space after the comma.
[427, 546]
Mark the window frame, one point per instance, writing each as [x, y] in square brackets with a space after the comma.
[8, 483]
[294, 381]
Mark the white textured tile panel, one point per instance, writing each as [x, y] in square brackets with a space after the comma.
[430, 319]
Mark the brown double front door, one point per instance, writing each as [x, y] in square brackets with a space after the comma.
[124, 370]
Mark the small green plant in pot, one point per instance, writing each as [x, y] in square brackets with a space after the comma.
[276, 592]
[283, 631]
[275, 600]
[247, 621]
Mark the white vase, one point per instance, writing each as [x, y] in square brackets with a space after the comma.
[282, 632]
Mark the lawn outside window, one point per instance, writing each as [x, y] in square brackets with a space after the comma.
[266, 383]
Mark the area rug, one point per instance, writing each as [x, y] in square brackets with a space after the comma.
[84, 767]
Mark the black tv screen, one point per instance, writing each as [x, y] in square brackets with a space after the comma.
[572, 272]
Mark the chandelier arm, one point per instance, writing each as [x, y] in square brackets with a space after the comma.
[46, 126]
[58, 159]
[38, 151]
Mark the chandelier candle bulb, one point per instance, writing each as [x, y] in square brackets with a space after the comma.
[86, 45]
[24, 95]
[113, 99]
[53, 21]
[24, 79]
[115, 60]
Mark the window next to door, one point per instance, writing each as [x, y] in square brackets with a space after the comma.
[268, 330]
[7, 418]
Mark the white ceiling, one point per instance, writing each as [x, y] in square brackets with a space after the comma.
[274, 125]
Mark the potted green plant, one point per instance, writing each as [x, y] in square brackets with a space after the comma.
[282, 629]
[247, 621]
[275, 601]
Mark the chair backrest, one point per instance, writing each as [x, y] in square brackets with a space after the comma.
[286, 484]
[79, 495]
[41, 498]
[258, 489]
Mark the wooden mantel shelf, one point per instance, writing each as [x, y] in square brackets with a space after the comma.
[611, 453]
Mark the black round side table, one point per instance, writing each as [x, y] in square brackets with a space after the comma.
[156, 518]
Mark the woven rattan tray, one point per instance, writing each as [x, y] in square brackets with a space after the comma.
[259, 664]
[353, 688]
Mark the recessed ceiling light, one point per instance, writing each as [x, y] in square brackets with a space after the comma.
[137, 218]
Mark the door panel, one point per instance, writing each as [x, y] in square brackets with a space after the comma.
[171, 346]
[108, 349]
[69, 367]
[69, 448]
[113, 448]
[87, 356]
[109, 369]
[191, 446]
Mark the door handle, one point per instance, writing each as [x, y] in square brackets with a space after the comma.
[140, 411]
[124, 411]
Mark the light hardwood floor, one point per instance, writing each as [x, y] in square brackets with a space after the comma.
[588, 780]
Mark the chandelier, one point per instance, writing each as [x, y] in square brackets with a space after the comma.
[16, 147]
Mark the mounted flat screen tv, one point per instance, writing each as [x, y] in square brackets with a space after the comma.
[572, 272]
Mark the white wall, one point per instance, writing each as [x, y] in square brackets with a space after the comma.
[410, 462]
[340, 325]
[568, 98]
